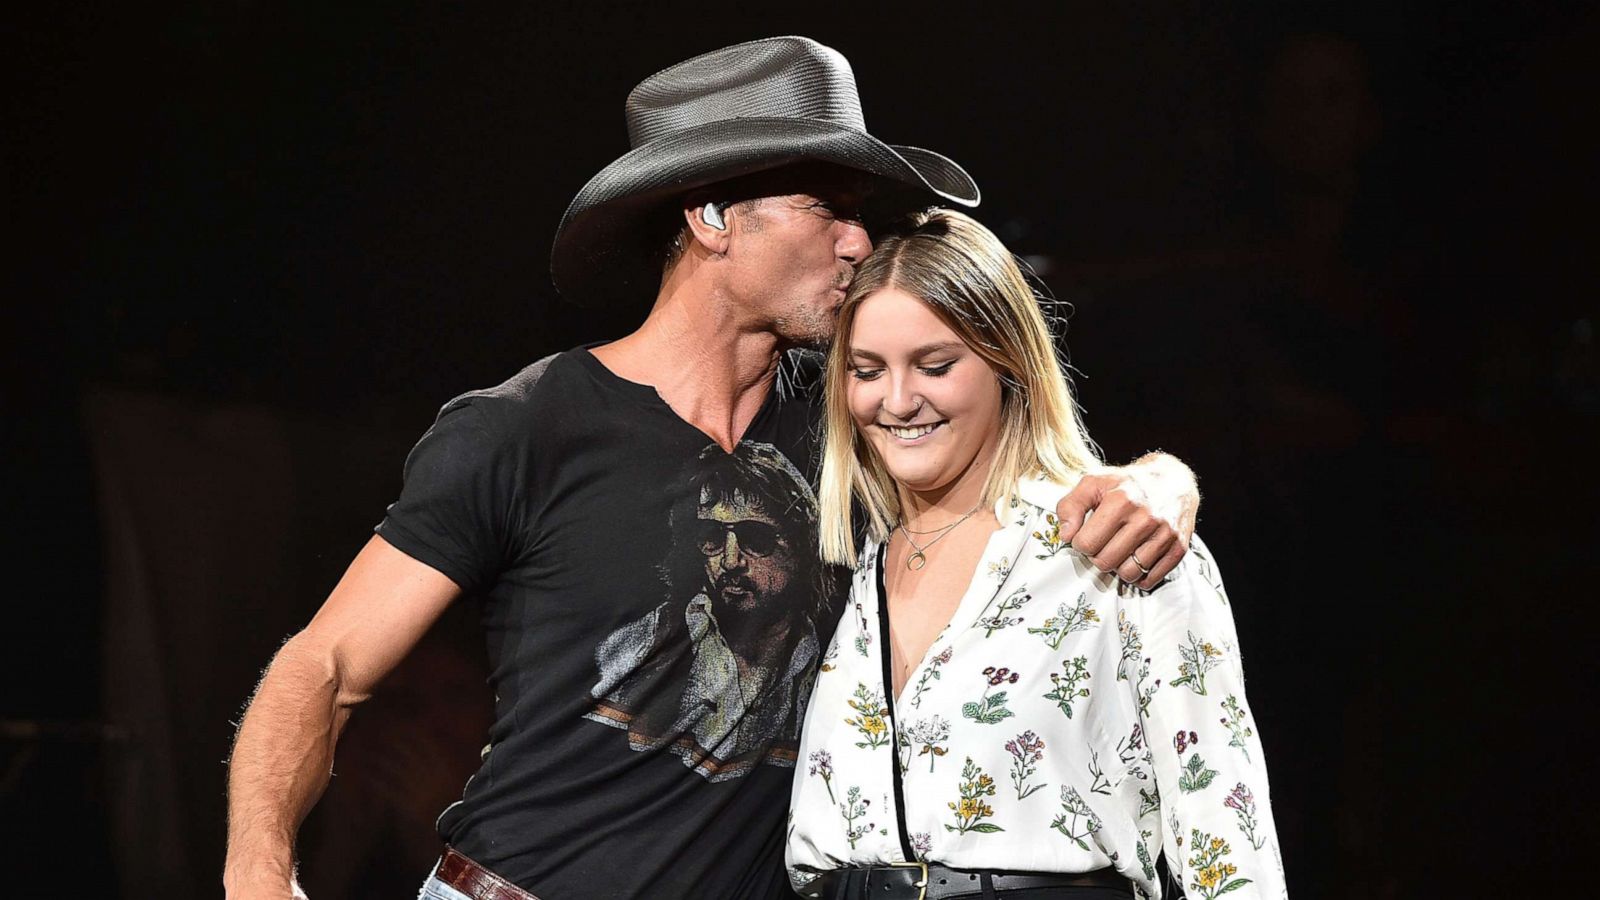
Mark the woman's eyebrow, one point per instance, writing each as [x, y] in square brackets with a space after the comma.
[918, 353]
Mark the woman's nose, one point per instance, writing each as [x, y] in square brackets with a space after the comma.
[902, 402]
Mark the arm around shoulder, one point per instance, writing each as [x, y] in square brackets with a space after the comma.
[283, 754]
[1142, 518]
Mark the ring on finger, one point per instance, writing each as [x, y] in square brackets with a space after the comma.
[1144, 570]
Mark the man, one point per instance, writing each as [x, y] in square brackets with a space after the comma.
[739, 209]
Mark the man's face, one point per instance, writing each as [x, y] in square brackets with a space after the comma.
[749, 562]
[794, 255]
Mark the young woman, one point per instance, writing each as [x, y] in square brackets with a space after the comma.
[995, 716]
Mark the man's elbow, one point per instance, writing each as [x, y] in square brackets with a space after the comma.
[314, 667]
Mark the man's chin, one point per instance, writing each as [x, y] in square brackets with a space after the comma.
[810, 332]
[819, 343]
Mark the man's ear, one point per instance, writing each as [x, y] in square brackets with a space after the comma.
[703, 226]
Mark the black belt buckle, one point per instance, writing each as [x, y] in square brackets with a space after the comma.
[904, 881]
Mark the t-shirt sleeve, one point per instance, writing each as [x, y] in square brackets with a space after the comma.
[455, 508]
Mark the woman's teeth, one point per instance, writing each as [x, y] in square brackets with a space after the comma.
[908, 434]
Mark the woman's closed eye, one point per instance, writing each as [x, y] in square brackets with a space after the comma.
[869, 373]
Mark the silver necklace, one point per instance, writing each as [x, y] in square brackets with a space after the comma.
[919, 558]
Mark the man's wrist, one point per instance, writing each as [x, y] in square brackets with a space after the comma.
[259, 876]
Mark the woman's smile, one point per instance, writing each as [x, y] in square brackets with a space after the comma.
[912, 435]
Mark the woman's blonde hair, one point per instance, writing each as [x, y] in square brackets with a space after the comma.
[973, 283]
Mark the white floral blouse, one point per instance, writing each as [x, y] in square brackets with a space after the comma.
[1062, 722]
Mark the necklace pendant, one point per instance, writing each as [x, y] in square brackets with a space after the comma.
[916, 561]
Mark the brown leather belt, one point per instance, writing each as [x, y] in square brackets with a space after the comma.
[916, 881]
[475, 881]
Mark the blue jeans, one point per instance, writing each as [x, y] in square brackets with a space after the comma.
[434, 889]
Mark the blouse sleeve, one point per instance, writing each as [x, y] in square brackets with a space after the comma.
[1216, 809]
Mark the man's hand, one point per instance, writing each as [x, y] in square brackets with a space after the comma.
[1143, 517]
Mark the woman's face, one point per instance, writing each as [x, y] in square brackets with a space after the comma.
[925, 401]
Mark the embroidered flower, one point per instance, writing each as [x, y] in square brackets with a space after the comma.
[822, 766]
[990, 709]
[872, 719]
[1080, 617]
[1211, 875]
[1068, 685]
[1073, 808]
[1243, 803]
[970, 808]
[1026, 750]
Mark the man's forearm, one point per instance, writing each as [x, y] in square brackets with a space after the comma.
[280, 766]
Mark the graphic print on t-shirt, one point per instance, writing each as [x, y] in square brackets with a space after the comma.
[719, 673]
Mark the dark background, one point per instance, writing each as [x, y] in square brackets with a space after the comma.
[1336, 256]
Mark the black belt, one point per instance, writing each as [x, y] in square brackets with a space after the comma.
[931, 881]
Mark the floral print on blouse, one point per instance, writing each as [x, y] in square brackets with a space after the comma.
[1062, 722]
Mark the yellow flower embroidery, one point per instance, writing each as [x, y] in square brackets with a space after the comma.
[872, 719]
[1209, 874]
[970, 810]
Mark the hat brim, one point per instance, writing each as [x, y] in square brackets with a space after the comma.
[603, 248]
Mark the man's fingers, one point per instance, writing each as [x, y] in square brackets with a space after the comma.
[1072, 509]
[1129, 572]
[1118, 552]
[1169, 561]
[1134, 568]
[1108, 518]
[1111, 514]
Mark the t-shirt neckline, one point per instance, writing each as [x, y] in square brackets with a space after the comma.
[648, 396]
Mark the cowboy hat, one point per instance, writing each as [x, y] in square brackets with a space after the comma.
[721, 115]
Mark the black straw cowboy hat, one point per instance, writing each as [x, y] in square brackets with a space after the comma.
[724, 114]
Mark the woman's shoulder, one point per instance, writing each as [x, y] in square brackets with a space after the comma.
[1040, 494]
[1200, 567]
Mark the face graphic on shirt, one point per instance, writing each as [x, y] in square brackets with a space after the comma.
[719, 672]
[749, 564]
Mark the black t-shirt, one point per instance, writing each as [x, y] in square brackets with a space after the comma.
[655, 613]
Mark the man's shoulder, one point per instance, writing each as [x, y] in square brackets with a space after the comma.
[512, 416]
[517, 392]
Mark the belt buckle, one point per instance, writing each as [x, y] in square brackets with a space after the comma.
[921, 886]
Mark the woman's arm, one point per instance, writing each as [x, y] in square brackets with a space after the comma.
[1216, 809]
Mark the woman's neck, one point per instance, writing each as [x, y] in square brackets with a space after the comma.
[923, 510]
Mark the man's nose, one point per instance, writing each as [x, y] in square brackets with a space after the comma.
[854, 245]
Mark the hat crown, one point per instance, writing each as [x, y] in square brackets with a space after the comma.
[781, 78]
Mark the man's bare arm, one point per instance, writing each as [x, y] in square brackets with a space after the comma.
[1143, 518]
[283, 754]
